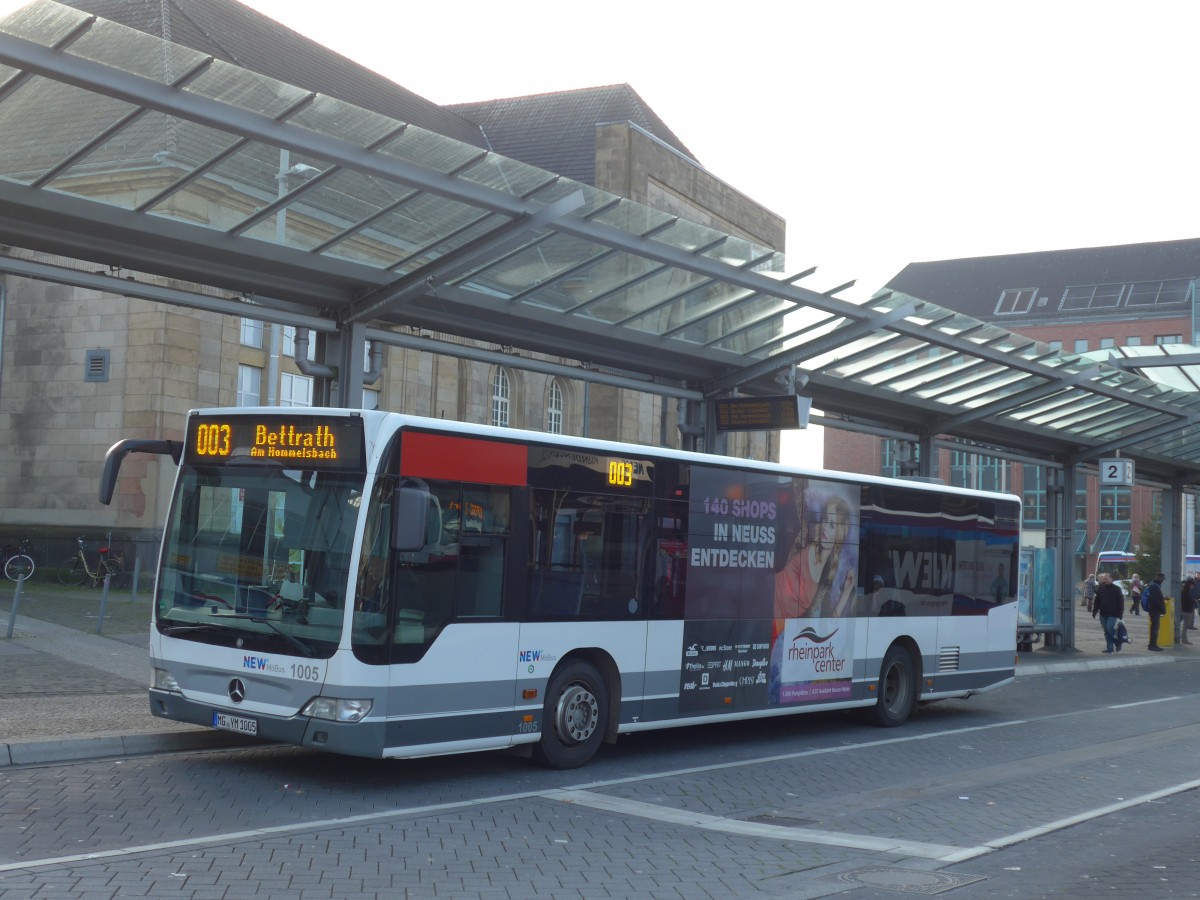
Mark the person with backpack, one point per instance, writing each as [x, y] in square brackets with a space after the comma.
[1109, 605]
[1135, 594]
[1156, 605]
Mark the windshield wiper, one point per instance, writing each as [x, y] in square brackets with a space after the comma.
[290, 638]
[179, 629]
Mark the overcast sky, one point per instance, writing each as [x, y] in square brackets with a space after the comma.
[883, 132]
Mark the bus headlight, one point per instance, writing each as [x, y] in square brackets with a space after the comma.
[162, 680]
[336, 710]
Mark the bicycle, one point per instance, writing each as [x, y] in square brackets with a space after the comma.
[18, 562]
[74, 570]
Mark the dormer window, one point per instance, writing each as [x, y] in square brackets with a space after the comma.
[1016, 302]
[1092, 296]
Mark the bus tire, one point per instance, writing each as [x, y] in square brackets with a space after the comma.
[897, 689]
[574, 717]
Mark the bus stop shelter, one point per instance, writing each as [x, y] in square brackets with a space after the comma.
[367, 230]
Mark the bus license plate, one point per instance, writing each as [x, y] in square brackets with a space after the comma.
[239, 724]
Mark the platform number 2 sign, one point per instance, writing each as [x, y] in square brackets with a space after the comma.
[1116, 471]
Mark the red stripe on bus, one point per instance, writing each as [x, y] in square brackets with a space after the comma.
[462, 459]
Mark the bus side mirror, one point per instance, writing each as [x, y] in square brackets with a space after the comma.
[415, 517]
[121, 449]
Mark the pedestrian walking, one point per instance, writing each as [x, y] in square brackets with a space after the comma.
[1109, 604]
[1089, 593]
[1135, 594]
[1187, 608]
[1156, 606]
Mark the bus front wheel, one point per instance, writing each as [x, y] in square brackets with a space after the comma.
[574, 718]
[897, 689]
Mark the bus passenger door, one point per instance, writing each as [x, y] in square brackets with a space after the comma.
[586, 590]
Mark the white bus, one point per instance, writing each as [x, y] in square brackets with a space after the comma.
[1118, 564]
[383, 585]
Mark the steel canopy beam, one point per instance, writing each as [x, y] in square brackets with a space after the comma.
[644, 384]
[1021, 398]
[837, 337]
[429, 277]
[1138, 437]
[267, 309]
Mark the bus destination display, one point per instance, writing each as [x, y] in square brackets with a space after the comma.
[306, 441]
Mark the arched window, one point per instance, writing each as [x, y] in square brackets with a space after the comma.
[500, 398]
[554, 408]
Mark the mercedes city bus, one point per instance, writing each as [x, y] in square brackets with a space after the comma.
[383, 585]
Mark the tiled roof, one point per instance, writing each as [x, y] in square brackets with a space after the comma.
[557, 131]
[235, 33]
[975, 285]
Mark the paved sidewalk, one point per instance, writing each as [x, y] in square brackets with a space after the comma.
[73, 693]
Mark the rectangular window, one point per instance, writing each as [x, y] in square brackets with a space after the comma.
[1168, 339]
[1115, 503]
[252, 333]
[1033, 494]
[1106, 343]
[554, 408]
[500, 399]
[289, 343]
[461, 573]
[903, 532]
[889, 458]
[1081, 345]
[1091, 296]
[295, 390]
[586, 554]
[249, 386]
[1159, 293]
[1133, 341]
[1054, 345]
[1081, 506]
[971, 470]
[1015, 302]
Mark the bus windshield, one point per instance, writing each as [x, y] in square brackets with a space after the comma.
[259, 558]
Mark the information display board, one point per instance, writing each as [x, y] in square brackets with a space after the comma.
[761, 413]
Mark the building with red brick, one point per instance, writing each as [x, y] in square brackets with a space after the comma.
[1132, 302]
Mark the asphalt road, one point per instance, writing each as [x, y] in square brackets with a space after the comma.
[1063, 785]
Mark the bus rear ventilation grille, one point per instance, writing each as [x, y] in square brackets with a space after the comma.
[948, 659]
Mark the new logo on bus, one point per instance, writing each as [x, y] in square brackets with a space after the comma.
[261, 663]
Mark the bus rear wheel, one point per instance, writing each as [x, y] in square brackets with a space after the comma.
[574, 718]
[897, 689]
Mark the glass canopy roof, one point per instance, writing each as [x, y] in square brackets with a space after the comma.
[121, 149]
